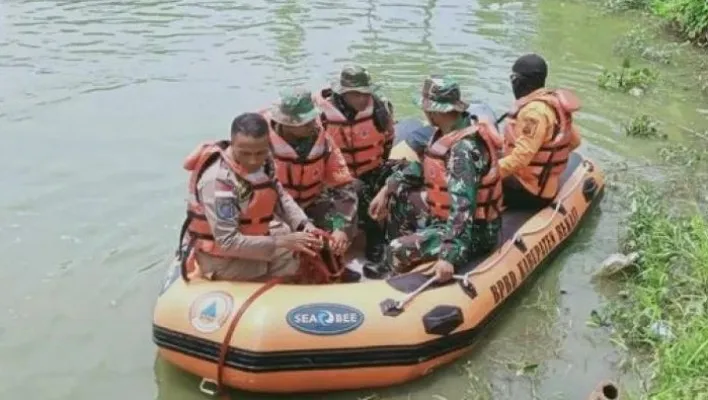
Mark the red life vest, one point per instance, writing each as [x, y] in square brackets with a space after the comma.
[489, 193]
[303, 178]
[361, 143]
[542, 176]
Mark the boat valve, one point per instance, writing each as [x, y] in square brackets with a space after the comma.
[391, 308]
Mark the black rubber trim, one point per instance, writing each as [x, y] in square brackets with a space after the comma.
[303, 360]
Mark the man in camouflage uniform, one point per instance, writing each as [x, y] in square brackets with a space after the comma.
[350, 98]
[316, 175]
[418, 236]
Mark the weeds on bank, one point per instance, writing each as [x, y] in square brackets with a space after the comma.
[626, 5]
[688, 18]
[663, 308]
[627, 79]
[644, 127]
[638, 43]
[695, 157]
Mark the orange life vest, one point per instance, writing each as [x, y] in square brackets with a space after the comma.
[253, 219]
[489, 192]
[302, 177]
[542, 176]
[361, 143]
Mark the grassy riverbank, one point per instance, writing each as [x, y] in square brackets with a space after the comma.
[688, 18]
[661, 312]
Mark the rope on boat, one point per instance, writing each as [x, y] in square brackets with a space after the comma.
[224, 350]
[400, 304]
[518, 235]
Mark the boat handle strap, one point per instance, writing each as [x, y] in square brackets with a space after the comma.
[224, 350]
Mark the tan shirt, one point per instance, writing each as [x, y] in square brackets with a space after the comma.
[535, 126]
[226, 230]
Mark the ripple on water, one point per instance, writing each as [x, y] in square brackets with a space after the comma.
[115, 93]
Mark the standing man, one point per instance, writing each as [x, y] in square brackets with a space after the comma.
[447, 208]
[233, 198]
[361, 124]
[538, 137]
[311, 167]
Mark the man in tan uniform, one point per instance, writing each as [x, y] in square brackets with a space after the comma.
[242, 225]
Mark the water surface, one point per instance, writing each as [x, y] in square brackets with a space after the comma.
[100, 101]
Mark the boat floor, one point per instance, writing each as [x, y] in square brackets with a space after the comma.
[512, 220]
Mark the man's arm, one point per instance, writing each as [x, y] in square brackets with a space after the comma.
[345, 199]
[222, 212]
[465, 165]
[575, 139]
[410, 176]
[288, 209]
[533, 128]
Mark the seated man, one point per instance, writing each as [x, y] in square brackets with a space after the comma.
[311, 167]
[234, 196]
[458, 214]
[538, 137]
[361, 124]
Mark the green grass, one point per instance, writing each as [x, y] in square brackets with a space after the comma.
[689, 18]
[669, 288]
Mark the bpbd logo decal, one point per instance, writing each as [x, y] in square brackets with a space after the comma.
[325, 318]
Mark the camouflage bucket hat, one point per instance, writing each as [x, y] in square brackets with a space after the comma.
[354, 78]
[295, 108]
[441, 93]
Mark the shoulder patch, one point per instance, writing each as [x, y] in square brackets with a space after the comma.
[528, 126]
[225, 208]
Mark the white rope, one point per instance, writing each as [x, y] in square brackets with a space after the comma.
[402, 303]
[502, 252]
[518, 235]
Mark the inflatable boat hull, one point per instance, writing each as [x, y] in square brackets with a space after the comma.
[298, 338]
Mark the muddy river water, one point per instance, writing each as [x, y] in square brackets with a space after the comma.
[101, 99]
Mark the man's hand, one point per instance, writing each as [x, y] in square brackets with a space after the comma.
[303, 242]
[378, 209]
[339, 243]
[443, 270]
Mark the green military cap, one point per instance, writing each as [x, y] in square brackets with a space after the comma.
[295, 108]
[441, 93]
[354, 78]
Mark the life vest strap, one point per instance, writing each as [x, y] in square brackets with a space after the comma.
[354, 150]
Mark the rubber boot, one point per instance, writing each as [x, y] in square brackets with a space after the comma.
[379, 270]
[375, 247]
[605, 390]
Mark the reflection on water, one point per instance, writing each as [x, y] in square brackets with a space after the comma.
[101, 99]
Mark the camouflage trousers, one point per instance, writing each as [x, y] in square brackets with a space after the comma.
[416, 237]
[325, 214]
[369, 186]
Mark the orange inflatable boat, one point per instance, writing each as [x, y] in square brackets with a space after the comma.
[305, 338]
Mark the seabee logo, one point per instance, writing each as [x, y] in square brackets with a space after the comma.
[325, 318]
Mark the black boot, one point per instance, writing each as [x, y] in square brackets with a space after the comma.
[379, 270]
[374, 251]
[349, 276]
